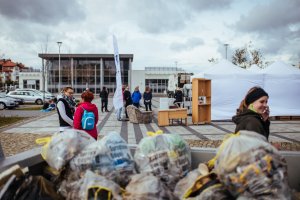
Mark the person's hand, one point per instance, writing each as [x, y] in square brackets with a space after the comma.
[266, 113]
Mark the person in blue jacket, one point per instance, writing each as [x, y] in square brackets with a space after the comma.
[136, 97]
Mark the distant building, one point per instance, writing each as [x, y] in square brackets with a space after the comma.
[9, 70]
[33, 80]
[83, 71]
[154, 77]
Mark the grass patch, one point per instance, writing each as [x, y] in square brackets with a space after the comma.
[10, 120]
[30, 108]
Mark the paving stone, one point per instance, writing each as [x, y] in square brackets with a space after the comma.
[49, 125]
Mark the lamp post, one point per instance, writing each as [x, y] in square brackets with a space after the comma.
[226, 45]
[59, 76]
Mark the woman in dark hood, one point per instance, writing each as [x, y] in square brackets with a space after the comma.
[253, 113]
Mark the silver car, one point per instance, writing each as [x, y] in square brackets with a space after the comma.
[28, 96]
[46, 94]
[6, 103]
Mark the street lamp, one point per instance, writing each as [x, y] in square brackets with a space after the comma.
[59, 76]
[226, 45]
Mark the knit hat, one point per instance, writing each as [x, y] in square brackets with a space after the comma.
[254, 95]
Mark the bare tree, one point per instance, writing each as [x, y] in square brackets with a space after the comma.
[213, 60]
[240, 57]
[244, 58]
[257, 58]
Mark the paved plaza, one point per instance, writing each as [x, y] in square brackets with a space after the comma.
[281, 131]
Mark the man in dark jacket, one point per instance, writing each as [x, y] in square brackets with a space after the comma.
[178, 97]
[127, 99]
[147, 98]
[104, 99]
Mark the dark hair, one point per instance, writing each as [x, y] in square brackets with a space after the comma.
[252, 95]
[66, 89]
[87, 96]
[147, 89]
[104, 88]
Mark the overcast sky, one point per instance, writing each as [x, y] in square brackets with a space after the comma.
[157, 32]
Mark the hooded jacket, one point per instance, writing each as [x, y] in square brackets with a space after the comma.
[251, 121]
[136, 96]
[78, 116]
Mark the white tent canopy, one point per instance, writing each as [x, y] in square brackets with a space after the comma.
[282, 83]
[254, 68]
[230, 83]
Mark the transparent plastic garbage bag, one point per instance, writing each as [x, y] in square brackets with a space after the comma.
[167, 156]
[109, 157]
[252, 167]
[63, 146]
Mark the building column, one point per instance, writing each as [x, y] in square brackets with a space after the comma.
[72, 73]
[95, 78]
[130, 75]
[101, 74]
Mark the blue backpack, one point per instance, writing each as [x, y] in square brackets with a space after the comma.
[87, 120]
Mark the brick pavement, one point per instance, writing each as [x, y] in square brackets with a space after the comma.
[281, 131]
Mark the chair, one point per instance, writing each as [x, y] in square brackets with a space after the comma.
[137, 116]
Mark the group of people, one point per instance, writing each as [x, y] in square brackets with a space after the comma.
[70, 115]
[252, 115]
[135, 98]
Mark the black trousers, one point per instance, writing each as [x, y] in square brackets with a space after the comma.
[104, 103]
[126, 109]
[148, 106]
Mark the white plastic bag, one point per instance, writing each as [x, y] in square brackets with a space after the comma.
[109, 157]
[148, 187]
[63, 146]
[167, 156]
[249, 166]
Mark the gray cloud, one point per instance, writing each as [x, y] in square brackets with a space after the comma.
[190, 43]
[162, 16]
[275, 15]
[200, 5]
[276, 25]
[42, 11]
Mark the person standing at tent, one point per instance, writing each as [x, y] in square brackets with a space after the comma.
[86, 105]
[253, 113]
[147, 96]
[178, 97]
[136, 97]
[66, 108]
[104, 99]
[127, 99]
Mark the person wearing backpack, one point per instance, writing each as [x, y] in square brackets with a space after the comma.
[86, 115]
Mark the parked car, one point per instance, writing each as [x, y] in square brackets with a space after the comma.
[48, 95]
[28, 96]
[6, 102]
[18, 101]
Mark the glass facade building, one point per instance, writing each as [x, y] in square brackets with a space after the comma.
[82, 71]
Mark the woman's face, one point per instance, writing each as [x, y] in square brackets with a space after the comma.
[69, 93]
[261, 105]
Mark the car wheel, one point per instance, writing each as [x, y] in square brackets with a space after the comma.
[2, 106]
[39, 102]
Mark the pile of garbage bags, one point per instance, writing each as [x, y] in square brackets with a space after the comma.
[246, 166]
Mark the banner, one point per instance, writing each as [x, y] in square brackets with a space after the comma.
[118, 96]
